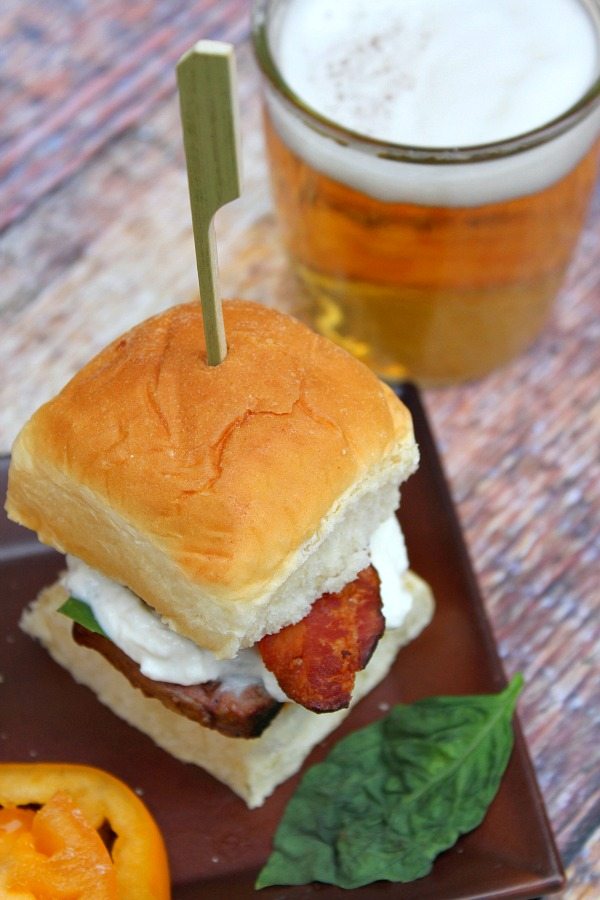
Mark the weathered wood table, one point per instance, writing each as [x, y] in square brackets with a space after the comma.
[95, 235]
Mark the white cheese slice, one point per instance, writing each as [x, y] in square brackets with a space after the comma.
[164, 655]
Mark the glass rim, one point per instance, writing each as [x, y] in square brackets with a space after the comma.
[417, 153]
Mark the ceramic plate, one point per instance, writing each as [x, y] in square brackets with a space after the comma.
[216, 845]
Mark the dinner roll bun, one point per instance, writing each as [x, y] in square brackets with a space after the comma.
[227, 497]
[251, 767]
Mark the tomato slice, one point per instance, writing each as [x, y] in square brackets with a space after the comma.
[55, 854]
[50, 847]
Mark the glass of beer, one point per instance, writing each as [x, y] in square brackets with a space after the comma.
[432, 162]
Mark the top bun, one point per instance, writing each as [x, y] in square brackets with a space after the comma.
[205, 489]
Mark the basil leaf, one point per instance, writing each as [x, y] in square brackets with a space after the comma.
[390, 797]
[81, 613]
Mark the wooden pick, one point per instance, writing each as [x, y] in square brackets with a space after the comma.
[207, 96]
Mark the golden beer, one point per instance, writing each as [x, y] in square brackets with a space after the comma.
[435, 293]
[438, 292]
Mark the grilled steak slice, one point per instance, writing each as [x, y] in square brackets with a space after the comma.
[245, 714]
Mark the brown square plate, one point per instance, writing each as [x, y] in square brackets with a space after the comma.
[216, 845]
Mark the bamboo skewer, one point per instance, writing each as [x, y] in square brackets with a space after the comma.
[206, 79]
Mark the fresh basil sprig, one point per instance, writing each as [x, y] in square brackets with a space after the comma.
[390, 797]
[81, 613]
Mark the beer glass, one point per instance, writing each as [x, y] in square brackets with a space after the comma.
[436, 263]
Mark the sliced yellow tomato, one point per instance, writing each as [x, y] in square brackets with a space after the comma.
[54, 851]
[55, 854]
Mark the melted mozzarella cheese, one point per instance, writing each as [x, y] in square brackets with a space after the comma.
[164, 655]
[389, 558]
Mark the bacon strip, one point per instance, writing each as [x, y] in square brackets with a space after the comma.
[315, 661]
[245, 714]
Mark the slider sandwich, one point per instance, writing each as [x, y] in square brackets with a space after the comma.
[236, 577]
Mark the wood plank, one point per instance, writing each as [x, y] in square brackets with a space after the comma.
[74, 78]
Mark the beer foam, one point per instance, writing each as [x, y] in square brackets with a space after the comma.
[439, 74]
[414, 72]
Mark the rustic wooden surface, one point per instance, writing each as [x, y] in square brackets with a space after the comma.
[96, 235]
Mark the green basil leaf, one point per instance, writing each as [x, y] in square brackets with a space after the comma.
[392, 796]
[81, 613]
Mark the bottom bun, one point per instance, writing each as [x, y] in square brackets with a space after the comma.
[251, 767]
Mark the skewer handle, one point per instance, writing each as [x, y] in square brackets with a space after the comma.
[206, 78]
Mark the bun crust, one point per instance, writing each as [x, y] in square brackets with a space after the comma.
[204, 488]
[251, 767]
